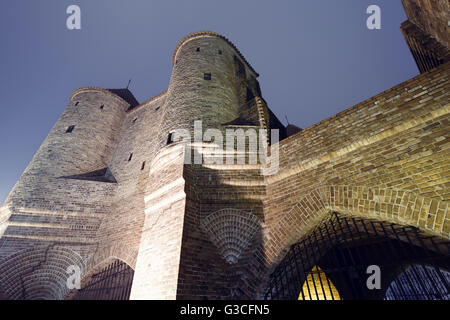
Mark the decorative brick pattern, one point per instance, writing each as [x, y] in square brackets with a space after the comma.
[231, 231]
[38, 273]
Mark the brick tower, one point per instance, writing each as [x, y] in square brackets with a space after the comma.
[111, 192]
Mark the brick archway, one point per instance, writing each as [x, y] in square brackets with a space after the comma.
[102, 255]
[38, 273]
[101, 258]
[389, 205]
[109, 280]
[345, 246]
[396, 206]
[95, 266]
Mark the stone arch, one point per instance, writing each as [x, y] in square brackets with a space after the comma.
[385, 204]
[38, 273]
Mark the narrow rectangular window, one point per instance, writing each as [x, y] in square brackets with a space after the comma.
[239, 68]
[131, 156]
[143, 165]
[250, 94]
[170, 138]
[207, 76]
[101, 107]
[70, 129]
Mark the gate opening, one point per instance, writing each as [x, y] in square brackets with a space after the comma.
[337, 253]
[318, 286]
[112, 283]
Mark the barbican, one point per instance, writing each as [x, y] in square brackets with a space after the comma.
[115, 199]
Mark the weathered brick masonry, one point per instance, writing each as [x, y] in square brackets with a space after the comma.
[431, 16]
[108, 185]
[385, 158]
[427, 32]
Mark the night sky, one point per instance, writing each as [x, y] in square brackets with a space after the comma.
[315, 57]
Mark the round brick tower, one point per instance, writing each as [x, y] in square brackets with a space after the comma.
[212, 82]
[85, 135]
[81, 141]
[209, 82]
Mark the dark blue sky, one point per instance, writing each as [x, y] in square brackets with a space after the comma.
[315, 57]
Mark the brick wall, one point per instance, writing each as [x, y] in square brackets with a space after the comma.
[120, 234]
[216, 199]
[386, 157]
[215, 230]
[156, 273]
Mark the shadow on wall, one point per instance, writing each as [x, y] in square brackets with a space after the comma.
[222, 232]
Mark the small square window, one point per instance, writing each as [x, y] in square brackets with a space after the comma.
[198, 49]
[207, 76]
[70, 129]
[220, 51]
[102, 106]
[157, 108]
[76, 103]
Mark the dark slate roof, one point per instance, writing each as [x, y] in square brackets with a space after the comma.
[240, 122]
[292, 129]
[126, 95]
